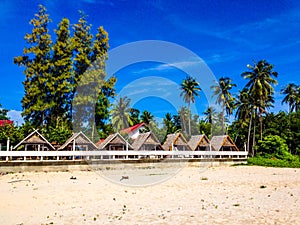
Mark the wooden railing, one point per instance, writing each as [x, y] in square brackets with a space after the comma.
[115, 155]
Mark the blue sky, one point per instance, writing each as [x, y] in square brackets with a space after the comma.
[226, 34]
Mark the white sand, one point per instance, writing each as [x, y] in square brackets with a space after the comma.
[219, 195]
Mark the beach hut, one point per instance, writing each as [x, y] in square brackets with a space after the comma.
[34, 142]
[78, 142]
[115, 142]
[176, 142]
[147, 142]
[199, 143]
[223, 143]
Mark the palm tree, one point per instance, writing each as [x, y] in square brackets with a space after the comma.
[184, 115]
[169, 124]
[291, 92]
[190, 88]
[260, 86]
[146, 117]
[121, 114]
[210, 114]
[134, 116]
[244, 110]
[224, 97]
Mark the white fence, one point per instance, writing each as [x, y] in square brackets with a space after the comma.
[113, 155]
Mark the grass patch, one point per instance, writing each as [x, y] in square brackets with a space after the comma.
[271, 161]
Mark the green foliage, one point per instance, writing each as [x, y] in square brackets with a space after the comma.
[272, 144]
[55, 69]
[36, 59]
[146, 117]
[121, 114]
[62, 74]
[273, 151]
[224, 97]
[190, 88]
[274, 162]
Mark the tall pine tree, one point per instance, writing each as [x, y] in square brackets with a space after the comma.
[36, 59]
[62, 74]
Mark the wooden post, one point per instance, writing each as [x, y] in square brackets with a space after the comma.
[74, 146]
[7, 147]
[25, 150]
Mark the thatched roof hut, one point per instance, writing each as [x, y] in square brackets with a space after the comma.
[223, 143]
[78, 141]
[147, 141]
[176, 142]
[115, 142]
[199, 143]
[35, 142]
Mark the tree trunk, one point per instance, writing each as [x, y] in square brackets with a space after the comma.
[189, 119]
[249, 134]
[223, 118]
[253, 143]
[260, 124]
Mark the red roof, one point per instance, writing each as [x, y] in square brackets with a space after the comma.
[6, 122]
[133, 128]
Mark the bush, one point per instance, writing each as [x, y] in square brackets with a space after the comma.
[274, 162]
[273, 151]
[272, 144]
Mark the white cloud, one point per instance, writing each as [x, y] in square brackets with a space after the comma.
[16, 117]
[170, 66]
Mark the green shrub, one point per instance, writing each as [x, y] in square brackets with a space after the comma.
[271, 161]
[272, 144]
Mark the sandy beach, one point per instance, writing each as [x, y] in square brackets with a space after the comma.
[214, 195]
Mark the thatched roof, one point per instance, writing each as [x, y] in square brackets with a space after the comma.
[217, 142]
[114, 139]
[80, 139]
[34, 138]
[147, 138]
[175, 139]
[198, 140]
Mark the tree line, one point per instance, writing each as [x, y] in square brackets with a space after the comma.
[54, 68]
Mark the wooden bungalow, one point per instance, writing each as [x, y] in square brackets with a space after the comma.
[147, 142]
[34, 142]
[115, 142]
[223, 143]
[199, 143]
[176, 142]
[78, 142]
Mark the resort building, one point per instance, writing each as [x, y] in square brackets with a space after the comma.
[176, 142]
[78, 142]
[199, 143]
[147, 142]
[223, 143]
[34, 142]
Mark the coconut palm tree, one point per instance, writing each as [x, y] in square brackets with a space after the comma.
[260, 85]
[135, 116]
[189, 89]
[245, 113]
[184, 115]
[224, 97]
[146, 117]
[291, 92]
[121, 114]
[210, 114]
